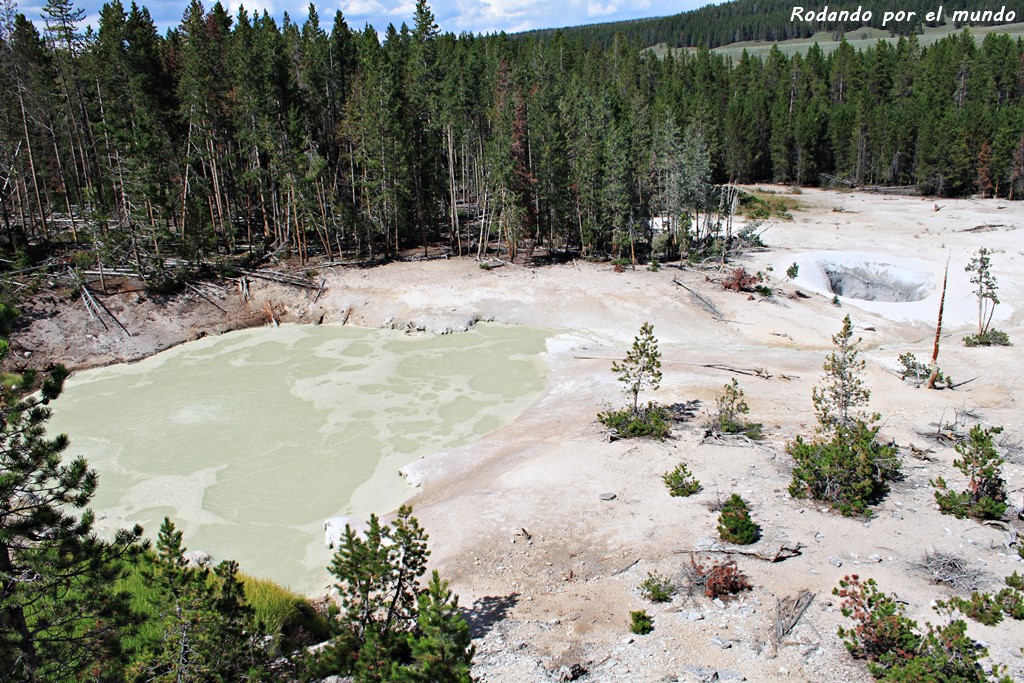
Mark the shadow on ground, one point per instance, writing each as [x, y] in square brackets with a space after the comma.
[487, 611]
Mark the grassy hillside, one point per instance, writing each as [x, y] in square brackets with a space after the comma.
[858, 39]
[758, 21]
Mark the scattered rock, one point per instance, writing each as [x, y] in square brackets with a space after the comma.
[608, 496]
[722, 642]
[571, 673]
[836, 561]
[709, 673]
[197, 558]
[695, 616]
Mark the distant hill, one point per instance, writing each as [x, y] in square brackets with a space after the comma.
[859, 39]
[747, 21]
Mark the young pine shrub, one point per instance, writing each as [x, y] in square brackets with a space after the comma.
[681, 482]
[730, 411]
[985, 496]
[844, 465]
[913, 370]
[898, 650]
[986, 291]
[639, 370]
[734, 523]
[640, 622]
[657, 588]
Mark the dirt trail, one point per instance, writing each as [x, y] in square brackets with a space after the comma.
[548, 570]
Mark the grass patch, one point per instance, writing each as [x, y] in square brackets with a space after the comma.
[765, 205]
[283, 613]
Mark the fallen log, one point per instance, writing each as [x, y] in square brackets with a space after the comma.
[783, 553]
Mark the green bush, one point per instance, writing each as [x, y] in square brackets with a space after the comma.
[985, 496]
[657, 588]
[982, 607]
[915, 371]
[844, 465]
[652, 421]
[898, 650]
[850, 470]
[730, 411]
[988, 608]
[988, 338]
[680, 482]
[640, 622]
[734, 523]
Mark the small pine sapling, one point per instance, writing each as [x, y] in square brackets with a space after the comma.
[844, 465]
[986, 291]
[735, 524]
[657, 588]
[985, 496]
[730, 411]
[681, 482]
[640, 622]
[639, 370]
[913, 370]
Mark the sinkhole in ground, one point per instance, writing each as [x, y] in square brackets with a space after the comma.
[876, 281]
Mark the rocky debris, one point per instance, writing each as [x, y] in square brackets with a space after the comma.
[607, 496]
[197, 558]
[334, 529]
[708, 673]
[571, 673]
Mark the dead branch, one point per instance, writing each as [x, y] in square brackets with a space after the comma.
[752, 372]
[626, 568]
[951, 569]
[704, 303]
[783, 553]
[282, 278]
[108, 312]
[198, 291]
[788, 613]
[320, 291]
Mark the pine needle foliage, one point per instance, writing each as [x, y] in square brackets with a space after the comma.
[735, 524]
[731, 409]
[844, 464]
[898, 650]
[680, 482]
[985, 496]
[641, 368]
[391, 629]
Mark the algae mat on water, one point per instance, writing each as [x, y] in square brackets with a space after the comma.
[250, 440]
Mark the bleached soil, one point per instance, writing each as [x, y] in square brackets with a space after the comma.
[547, 569]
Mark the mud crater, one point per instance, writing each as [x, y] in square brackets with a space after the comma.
[869, 281]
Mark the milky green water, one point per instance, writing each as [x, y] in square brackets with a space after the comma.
[250, 440]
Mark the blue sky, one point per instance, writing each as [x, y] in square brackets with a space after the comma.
[452, 15]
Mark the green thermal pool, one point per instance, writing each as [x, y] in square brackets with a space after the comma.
[251, 440]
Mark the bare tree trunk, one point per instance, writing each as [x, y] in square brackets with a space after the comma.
[938, 331]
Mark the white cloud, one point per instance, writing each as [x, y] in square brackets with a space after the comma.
[255, 8]
[478, 16]
[362, 8]
[596, 9]
[405, 10]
